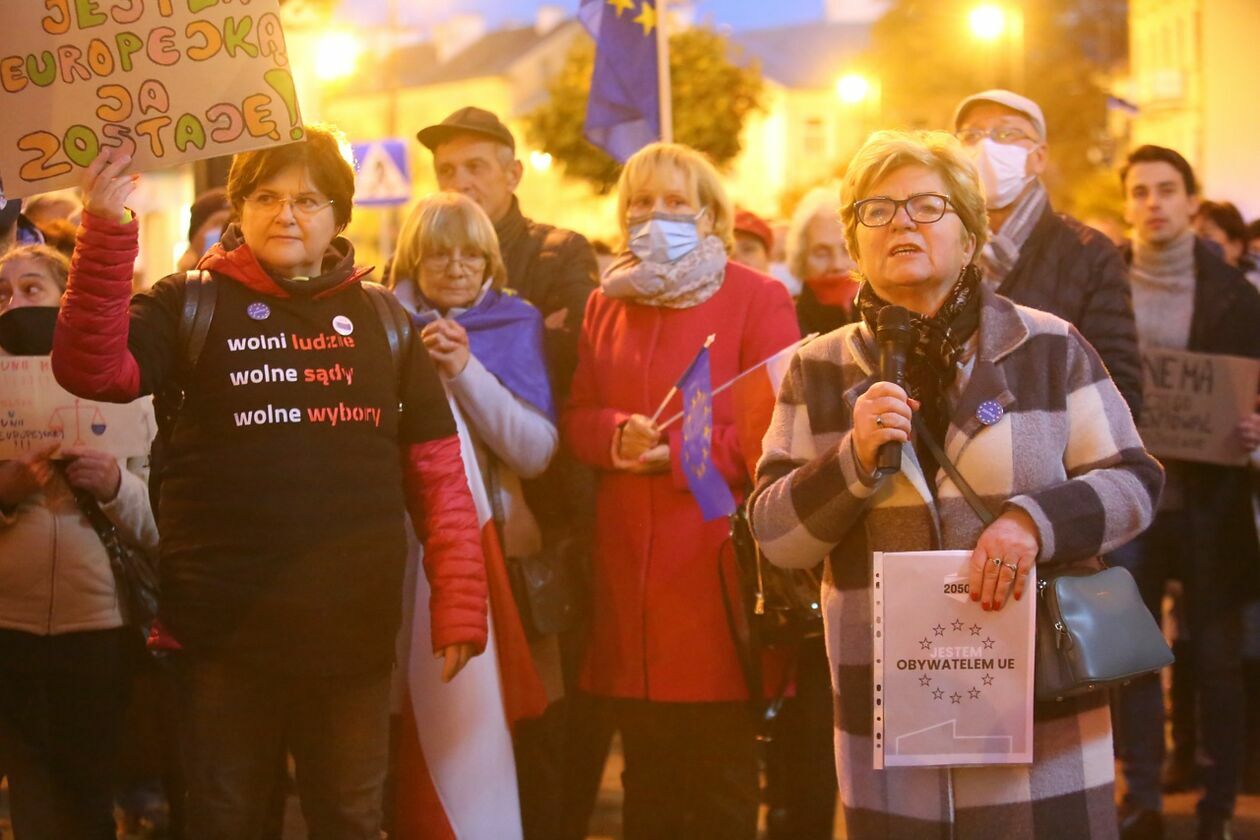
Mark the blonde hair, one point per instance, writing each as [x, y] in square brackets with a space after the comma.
[887, 151]
[820, 201]
[442, 222]
[704, 185]
[52, 259]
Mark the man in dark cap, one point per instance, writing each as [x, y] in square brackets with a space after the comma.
[554, 269]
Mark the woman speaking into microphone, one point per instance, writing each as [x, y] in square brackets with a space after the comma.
[1024, 408]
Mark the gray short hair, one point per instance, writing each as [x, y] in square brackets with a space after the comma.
[820, 201]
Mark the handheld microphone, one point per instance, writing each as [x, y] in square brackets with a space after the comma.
[896, 335]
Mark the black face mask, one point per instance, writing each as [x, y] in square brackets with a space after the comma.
[28, 330]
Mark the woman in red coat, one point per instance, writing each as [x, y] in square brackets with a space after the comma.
[661, 649]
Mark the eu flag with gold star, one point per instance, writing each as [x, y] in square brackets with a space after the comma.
[623, 113]
[706, 483]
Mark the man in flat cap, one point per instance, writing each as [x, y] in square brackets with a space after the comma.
[1038, 257]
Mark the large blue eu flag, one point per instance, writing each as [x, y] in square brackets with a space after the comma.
[706, 483]
[623, 113]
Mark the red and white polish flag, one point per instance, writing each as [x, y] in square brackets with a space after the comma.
[455, 770]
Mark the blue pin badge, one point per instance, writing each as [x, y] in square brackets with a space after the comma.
[258, 310]
[990, 412]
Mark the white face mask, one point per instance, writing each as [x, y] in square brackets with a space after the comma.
[1002, 169]
[665, 237]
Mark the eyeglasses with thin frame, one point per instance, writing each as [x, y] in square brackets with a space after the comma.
[1001, 134]
[923, 208]
[305, 206]
[467, 261]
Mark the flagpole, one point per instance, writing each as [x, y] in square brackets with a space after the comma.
[728, 383]
[669, 395]
[662, 74]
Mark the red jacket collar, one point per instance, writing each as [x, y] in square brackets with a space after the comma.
[242, 266]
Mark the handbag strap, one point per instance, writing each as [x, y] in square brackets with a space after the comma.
[973, 499]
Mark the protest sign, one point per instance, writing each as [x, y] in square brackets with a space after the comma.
[1192, 402]
[953, 683]
[167, 81]
[35, 411]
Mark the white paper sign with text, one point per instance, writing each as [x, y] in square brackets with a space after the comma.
[953, 684]
[35, 411]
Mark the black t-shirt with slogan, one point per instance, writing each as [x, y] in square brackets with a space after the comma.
[281, 506]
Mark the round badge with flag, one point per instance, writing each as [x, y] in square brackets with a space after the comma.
[343, 325]
[258, 310]
[990, 412]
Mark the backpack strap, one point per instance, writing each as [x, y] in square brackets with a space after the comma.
[396, 323]
[200, 295]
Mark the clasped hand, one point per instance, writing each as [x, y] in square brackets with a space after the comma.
[447, 343]
[637, 447]
[88, 469]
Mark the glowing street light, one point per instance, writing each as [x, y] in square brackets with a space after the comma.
[988, 21]
[338, 55]
[853, 88]
[541, 161]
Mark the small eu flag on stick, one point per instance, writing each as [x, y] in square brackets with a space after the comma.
[706, 483]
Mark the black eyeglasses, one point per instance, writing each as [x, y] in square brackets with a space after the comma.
[923, 208]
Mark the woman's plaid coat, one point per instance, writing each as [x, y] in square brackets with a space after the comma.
[1065, 451]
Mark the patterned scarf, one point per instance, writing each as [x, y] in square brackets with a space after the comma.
[1001, 252]
[688, 281]
[933, 362]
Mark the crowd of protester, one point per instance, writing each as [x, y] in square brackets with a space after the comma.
[426, 538]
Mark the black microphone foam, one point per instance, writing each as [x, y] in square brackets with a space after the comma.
[896, 334]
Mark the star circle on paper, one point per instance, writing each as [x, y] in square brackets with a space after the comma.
[988, 643]
[926, 644]
[925, 680]
[975, 693]
[938, 630]
[988, 679]
[957, 624]
[938, 694]
[975, 629]
[955, 697]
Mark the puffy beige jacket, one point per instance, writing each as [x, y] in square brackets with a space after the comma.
[55, 575]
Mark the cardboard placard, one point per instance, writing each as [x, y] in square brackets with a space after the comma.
[168, 81]
[953, 684]
[35, 411]
[1192, 402]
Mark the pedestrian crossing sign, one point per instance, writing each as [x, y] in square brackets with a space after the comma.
[382, 176]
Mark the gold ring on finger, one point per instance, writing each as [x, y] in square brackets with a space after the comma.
[879, 420]
[997, 561]
[1014, 567]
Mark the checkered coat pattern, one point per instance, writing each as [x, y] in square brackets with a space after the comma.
[1065, 451]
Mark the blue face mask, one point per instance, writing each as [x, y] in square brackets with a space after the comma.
[665, 237]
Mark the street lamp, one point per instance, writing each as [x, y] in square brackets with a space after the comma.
[988, 22]
[338, 55]
[1002, 27]
[853, 88]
